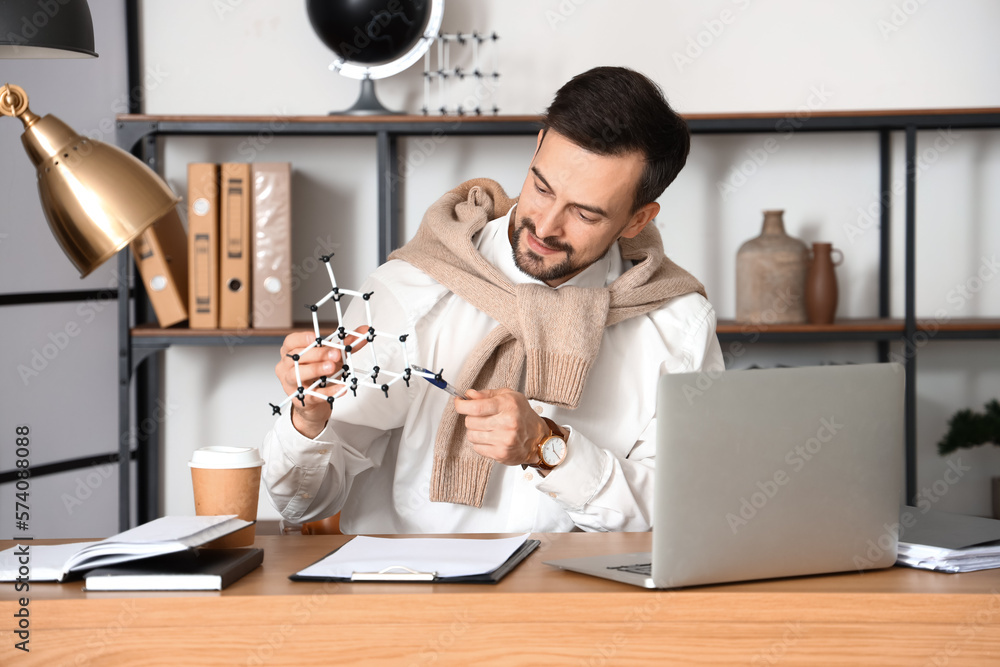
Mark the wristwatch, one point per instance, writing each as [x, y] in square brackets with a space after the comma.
[551, 448]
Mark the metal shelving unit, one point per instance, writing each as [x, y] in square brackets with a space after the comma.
[139, 341]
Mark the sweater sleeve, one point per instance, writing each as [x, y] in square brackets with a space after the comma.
[601, 491]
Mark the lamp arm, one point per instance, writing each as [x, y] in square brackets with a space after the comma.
[14, 102]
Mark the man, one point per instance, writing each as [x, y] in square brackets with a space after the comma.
[556, 314]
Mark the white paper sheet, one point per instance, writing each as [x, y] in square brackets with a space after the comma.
[447, 557]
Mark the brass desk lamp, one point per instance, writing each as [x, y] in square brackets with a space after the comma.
[96, 197]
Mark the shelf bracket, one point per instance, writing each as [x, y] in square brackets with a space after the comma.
[129, 133]
[140, 354]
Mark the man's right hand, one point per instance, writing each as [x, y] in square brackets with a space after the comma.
[310, 419]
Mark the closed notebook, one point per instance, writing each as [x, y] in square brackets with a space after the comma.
[161, 256]
[203, 246]
[194, 570]
[272, 245]
[234, 246]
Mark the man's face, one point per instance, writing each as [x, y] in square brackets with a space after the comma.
[574, 205]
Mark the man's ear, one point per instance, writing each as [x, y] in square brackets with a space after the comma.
[640, 219]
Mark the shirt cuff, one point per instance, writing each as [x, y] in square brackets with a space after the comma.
[584, 472]
[301, 451]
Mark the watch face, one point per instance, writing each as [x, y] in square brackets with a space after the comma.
[553, 451]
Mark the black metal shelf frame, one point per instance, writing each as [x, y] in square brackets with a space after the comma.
[138, 355]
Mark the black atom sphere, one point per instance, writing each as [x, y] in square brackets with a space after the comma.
[369, 32]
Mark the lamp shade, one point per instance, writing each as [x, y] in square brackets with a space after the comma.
[53, 29]
[97, 198]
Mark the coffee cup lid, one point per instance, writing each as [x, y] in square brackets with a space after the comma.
[225, 457]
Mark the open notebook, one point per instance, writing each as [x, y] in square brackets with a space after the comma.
[169, 534]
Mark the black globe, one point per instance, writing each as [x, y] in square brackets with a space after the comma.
[369, 32]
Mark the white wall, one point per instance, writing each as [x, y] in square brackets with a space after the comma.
[253, 56]
[261, 57]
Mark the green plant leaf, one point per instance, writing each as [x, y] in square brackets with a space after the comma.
[968, 429]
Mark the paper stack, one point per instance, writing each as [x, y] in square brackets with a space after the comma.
[947, 542]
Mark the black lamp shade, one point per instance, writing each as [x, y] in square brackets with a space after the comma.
[46, 29]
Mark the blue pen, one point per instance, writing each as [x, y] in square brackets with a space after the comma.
[438, 381]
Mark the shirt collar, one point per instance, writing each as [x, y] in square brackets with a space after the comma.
[494, 245]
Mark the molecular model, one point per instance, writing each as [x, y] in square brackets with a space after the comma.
[351, 377]
[479, 98]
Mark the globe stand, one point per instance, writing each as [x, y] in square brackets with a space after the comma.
[367, 103]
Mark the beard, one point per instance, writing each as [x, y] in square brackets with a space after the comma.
[534, 265]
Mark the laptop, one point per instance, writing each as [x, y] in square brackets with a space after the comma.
[770, 473]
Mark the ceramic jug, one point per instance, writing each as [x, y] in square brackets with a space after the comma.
[821, 283]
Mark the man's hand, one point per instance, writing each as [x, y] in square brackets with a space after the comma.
[310, 419]
[502, 425]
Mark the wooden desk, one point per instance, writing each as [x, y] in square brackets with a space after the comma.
[536, 616]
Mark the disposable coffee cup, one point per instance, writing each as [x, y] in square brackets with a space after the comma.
[226, 480]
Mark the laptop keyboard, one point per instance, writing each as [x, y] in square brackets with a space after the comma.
[645, 569]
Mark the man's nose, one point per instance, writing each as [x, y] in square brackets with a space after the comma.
[547, 222]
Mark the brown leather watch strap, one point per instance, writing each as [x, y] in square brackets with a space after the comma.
[554, 431]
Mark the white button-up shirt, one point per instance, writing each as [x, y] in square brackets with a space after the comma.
[373, 460]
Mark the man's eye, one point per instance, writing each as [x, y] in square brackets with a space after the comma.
[541, 190]
[584, 217]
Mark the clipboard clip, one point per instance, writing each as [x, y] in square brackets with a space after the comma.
[387, 574]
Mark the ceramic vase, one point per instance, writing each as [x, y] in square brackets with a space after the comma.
[771, 275]
[821, 283]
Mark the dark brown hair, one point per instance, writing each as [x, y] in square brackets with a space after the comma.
[616, 110]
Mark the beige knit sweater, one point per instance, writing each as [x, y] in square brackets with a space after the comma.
[553, 334]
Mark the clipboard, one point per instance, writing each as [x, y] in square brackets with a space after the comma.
[402, 573]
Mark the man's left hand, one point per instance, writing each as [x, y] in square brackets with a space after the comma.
[502, 425]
